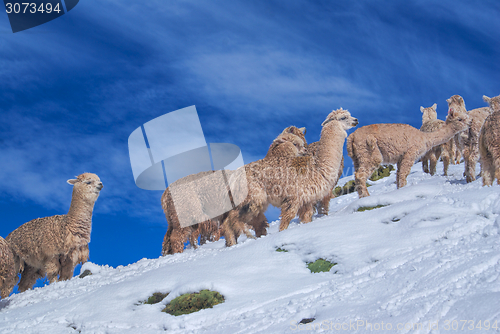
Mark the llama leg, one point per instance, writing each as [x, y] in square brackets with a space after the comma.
[259, 225]
[177, 239]
[166, 245]
[474, 157]
[360, 177]
[404, 168]
[432, 167]
[496, 169]
[305, 213]
[53, 268]
[288, 212]
[487, 170]
[425, 165]
[28, 278]
[325, 204]
[68, 263]
[436, 152]
[227, 229]
[192, 234]
[446, 154]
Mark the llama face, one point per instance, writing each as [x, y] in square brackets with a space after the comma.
[88, 185]
[343, 117]
[430, 112]
[289, 144]
[494, 102]
[460, 120]
[456, 103]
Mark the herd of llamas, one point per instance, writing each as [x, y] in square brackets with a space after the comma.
[297, 177]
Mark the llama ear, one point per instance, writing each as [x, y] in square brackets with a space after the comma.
[303, 130]
[449, 101]
[451, 113]
[434, 106]
[421, 109]
[72, 181]
[486, 99]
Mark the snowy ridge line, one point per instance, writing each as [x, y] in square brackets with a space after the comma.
[432, 254]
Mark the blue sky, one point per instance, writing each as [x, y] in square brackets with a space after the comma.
[72, 90]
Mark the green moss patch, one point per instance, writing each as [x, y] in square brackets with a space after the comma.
[155, 298]
[320, 266]
[279, 249]
[366, 208]
[381, 172]
[193, 302]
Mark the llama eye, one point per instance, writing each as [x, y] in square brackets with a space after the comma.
[343, 118]
[88, 182]
[459, 119]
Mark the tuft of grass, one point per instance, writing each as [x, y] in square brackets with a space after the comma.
[193, 302]
[366, 208]
[85, 273]
[279, 249]
[349, 186]
[381, 172]
[320, 265]
[155, 298]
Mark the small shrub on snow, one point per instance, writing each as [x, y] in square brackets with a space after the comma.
[320, 265]
[193, 302]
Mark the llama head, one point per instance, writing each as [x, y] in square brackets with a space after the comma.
[87, 186]
[429, 113]
[343, 117]
[456, 103]
[288, 144]
[459, 121]
[493, 102]
[300, 132]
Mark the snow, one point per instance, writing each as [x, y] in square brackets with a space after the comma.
[425, 263]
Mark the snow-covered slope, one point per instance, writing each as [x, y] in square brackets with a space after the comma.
[425, 263]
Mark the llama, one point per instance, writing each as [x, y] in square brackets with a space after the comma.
[323, 206]
[289, 182]
[471, 137]
[53, 245]
[401, 144]
[430, 123]
[8, 276]
[489, 143]
[291, 142]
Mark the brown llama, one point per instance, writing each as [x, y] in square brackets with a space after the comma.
[471, 136]
[401, 144]
[489, 143]
[54, 245]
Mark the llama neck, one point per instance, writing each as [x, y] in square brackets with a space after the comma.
[440, 136]
[329, 149]
[79, 217]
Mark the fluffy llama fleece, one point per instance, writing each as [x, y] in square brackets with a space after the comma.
[323, 206]
[430, 123]
[291, 142]
[53, 245]
[8, 276]
[401, 144]
[471, 137]
[290, 182]
[489, 143]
